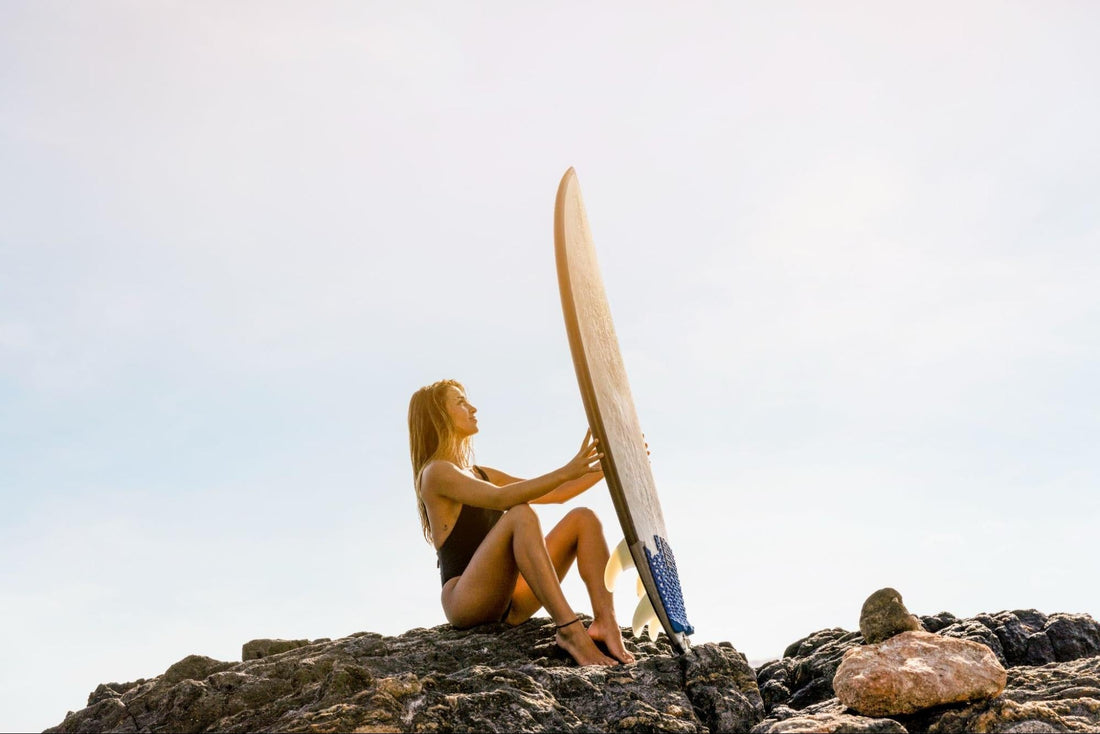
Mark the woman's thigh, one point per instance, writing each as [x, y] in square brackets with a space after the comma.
[483, 591]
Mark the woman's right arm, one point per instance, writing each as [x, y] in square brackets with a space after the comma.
[444, 479]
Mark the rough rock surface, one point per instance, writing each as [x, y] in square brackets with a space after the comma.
[256, 649]
[884, 615]
[914, 671]
[1053, 679]
[827, 717]
[498, 679]
[491, 678]
[804, 675]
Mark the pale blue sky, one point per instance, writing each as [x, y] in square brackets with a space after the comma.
[851, 251]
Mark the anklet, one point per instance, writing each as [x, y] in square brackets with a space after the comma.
[559, 626]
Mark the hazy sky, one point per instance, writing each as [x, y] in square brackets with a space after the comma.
[851, 250]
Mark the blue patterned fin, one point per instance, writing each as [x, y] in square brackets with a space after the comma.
[662, 565]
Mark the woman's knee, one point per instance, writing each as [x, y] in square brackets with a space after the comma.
[522, 515]
[584, 518]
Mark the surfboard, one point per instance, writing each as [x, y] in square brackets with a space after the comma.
[609, 406]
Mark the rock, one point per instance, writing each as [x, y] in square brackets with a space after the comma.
[1054, 697]
[496, 678]
[256, 649]
[804, 676]
[830, 724]
[974, 631]
[715, 682]
[827, 716]
[937, 622]
[111, 690]
[193, 667]
[490, 678]
[1028, 637]
[914, 671]
[1062, 697]
[883, 615]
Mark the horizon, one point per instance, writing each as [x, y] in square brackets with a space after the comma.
[850, 252]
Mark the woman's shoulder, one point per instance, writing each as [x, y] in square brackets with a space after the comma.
[438, 470]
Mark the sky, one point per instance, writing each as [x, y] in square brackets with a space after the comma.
[850, 249]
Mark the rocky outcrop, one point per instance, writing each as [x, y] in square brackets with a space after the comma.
[491, 678]
[1053, 679]
[495, 678]
[917, 670]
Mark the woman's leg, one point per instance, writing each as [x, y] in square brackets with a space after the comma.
[481, 594]
[578, 536]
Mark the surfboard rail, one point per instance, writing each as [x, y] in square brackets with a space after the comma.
[609, 407]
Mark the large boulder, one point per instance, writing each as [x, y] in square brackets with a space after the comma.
[1057, 697]
[913, 671]
[491, 678]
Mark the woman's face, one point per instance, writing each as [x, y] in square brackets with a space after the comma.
[461, 412]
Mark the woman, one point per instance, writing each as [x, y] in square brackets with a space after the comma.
[494, 562]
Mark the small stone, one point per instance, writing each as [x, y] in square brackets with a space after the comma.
[883, 615]
[914, 671]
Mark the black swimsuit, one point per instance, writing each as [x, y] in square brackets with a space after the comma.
[471, 527]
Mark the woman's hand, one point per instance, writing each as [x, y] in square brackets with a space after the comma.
[587, 459]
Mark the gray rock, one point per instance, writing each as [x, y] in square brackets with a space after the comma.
[490, 678]
[804, 676]
[936, 622]
[111, 690]
[1062, 697]
[884, 615]
[496, 678]
[828, 716]
[975, 631]
[1028, 637]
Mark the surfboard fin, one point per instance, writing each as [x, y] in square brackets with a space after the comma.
[645, 615]
[639, 587]
[619, 561]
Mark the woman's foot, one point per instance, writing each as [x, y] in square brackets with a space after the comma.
[607, 631]
[573, 638]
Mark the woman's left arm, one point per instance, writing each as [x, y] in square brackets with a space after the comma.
[559, 494]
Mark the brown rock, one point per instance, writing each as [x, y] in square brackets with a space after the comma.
[256, 649]
[914, 671]
[884, 615]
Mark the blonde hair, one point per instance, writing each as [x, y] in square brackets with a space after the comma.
[432, 436]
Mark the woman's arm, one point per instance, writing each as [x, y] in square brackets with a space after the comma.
[568, 490]
[444, 479]
[559, 494]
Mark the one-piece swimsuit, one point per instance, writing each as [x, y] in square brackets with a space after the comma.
[471, 527]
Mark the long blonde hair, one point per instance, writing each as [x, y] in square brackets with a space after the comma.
[432, 436]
